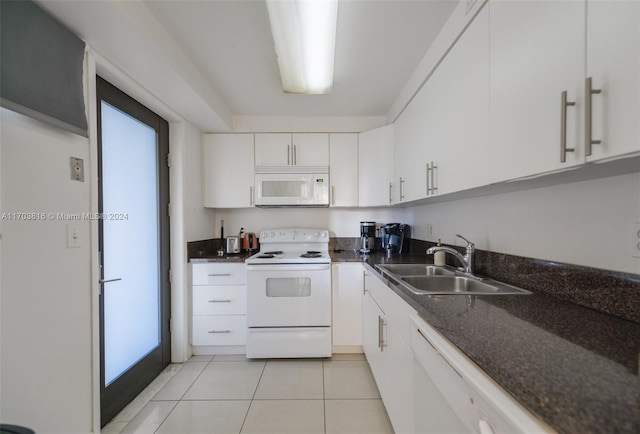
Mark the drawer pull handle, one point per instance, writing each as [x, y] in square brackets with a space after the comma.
[110, 280]
[219, 331]
[220, 275]
[219, 301]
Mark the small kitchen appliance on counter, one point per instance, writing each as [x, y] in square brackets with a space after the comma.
[289, 295]
[392, 236]
[367, 237]
[249, 242]
[233, 245]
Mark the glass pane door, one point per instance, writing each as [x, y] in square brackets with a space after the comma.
[130, 211]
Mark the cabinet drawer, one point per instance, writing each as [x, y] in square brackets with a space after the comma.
[220, 300]
[220, 330]
[219, 274]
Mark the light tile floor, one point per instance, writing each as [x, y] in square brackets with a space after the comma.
[232, 394]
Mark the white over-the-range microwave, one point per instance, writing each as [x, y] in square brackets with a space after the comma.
[292, 189]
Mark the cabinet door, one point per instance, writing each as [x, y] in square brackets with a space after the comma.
[375, 166]
[273, 149]
[343, 166]
[396, 387]
[537, 52]
[458, 116]
[613, 63]
[371, 328]
[228, 170]
[311, 149]
[348, 289]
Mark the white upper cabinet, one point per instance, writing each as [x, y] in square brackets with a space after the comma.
[613, 64]
[273, 149]
[310, 149]
[286, 149]
[537, 52]
[458, 118]
[343, 163]
[227, 170]
[375, 167]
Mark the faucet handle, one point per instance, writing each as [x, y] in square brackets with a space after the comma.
[469, 243]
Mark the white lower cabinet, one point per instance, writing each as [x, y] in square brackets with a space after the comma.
[347, 287]
[219, 308]
[388, 354]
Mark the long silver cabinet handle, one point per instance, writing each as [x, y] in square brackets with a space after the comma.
[219, 331]
[251, 196]
[401, 188]
[381, 324]
[390, 193]
[289, 155]
[564, 103]
[219, 274]
[219, 301]
[428, 176]
[364, 282]
[434, 178]
[295, 155]
[589, 92]
[109, 280]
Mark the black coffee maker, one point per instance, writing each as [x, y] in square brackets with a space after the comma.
[392, 236]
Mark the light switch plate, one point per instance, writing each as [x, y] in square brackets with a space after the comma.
[77, 169]
[73, 235]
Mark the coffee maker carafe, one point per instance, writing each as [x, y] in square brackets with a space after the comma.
[367, 237]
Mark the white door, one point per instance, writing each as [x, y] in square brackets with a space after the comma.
[613, 63]
[311, 149]
[343, 156]
[537, 52]
[273, 149]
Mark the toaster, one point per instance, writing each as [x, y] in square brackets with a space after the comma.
[233, 245]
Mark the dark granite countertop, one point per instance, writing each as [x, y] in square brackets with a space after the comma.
[574, 368]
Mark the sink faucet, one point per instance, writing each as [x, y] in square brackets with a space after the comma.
[467, 260]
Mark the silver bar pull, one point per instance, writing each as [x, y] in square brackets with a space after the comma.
[364, 282]
[381, 324]
[219, 331]
[220, 275]
[564, 103]
[219, 301]
[295, 155]
[588, 125]
[428, 180]
[333, 195]
[109, 280]
[401, 188]
[434, 177]
[250, 196]
[288, 155]
[390, 193]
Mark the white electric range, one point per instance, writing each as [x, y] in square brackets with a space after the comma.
[289, 295]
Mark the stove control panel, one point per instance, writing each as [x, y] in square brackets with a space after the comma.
[294, 235]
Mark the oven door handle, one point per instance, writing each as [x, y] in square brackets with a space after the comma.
[289, 267]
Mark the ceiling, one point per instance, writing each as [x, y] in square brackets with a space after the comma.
[211, 60]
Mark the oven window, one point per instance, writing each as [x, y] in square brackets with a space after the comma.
[285, 188]
[288, 287]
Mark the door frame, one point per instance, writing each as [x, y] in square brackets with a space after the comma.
[144, 372]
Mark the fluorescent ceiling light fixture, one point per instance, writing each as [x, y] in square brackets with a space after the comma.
[304, 34]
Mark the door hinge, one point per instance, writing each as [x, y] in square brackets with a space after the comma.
[168, 160]
[169, 209]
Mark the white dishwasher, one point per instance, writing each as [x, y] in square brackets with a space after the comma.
[453, 395]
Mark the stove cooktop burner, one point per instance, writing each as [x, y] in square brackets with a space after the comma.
[311, 255]
[313, 252]
[265, 256]
[277, 252]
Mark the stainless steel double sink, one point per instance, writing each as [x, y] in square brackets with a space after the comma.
[425, 279]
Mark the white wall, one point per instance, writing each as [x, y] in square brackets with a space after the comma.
[340, 222]
[45, 321]
[585, 223]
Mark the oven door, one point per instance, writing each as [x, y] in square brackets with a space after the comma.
[289, 295]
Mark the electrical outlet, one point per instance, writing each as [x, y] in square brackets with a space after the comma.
[430, 230]
[635, 240]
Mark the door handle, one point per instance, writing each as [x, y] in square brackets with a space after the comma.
[589, 92]
[564, 103]
[109, 280]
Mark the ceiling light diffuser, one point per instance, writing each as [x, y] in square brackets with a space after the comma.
[304, 34]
